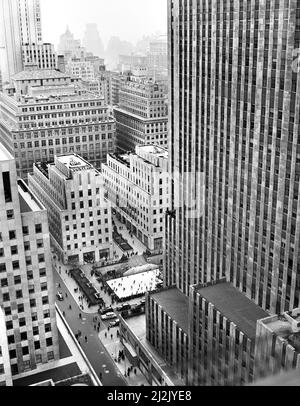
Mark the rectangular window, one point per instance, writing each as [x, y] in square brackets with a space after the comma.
[7, 187]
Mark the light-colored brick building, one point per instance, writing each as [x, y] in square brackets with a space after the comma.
[80, 222]
[27, 295]
[142, 113]
[50, 115]
[137, 186]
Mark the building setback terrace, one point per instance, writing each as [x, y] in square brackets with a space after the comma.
[235, 306]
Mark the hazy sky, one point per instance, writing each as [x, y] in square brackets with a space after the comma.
[128, 19]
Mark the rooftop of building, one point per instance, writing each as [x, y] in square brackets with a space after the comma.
[73, 162]
[124, 159]
[175, 304]
[286, 326]
[137, 325]
[4, 154]
[234, 305]
[140, 118]
[37, 74]
[154, 150]
[28, 202]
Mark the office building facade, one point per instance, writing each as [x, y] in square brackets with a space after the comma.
[27, 290]
[141, 114]
[50, 115]
[80, 224]
[41, 55]
[137, 187]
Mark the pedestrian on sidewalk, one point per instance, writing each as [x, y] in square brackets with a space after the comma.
[111, 336]
[66, 294]
[80, 316]
[100, 376]
[64, 314]
[85, 338]
[70, 307]
[105, 334]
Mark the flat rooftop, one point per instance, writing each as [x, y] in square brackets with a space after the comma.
[4, 154]
[39, 74]
[175, 304]
[154, 150]
[73, 161]
[235, 306]
[28, 202]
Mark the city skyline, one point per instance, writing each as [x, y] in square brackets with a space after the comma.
[143, 17]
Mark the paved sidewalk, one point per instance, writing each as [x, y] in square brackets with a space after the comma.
[70, 283]
[113, 346]
[136, 244]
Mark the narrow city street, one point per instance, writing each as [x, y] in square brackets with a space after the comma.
[93, 348]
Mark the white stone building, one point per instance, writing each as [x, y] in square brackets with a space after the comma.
[80, 223]
[81, 69]
[137, 186]
[27, 296]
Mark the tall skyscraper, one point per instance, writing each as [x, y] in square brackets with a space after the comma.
[21, 40]
[92, 40]
[27, 297]
[10, 38]
[234, 128]
[30, 21]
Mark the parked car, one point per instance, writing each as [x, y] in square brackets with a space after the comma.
[123, 307]
[106, 310]
[108, 316]
[59, 296]
[114, 323]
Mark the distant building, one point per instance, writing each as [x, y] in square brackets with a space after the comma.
[70, 47]
[80, 225]
[80, 69]
[128, 62]
[27, 294]
[142, 113]
[157, 58]
[50, 115]
[92, 41]
[137, 187]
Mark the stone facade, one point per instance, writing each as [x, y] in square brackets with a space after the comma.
[137, 186]
[27, 288]
[141, 114]
[50, 115]
[80, 223]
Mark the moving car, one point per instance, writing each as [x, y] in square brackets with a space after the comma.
[59, 296]
[114, 323]
[108, 316]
